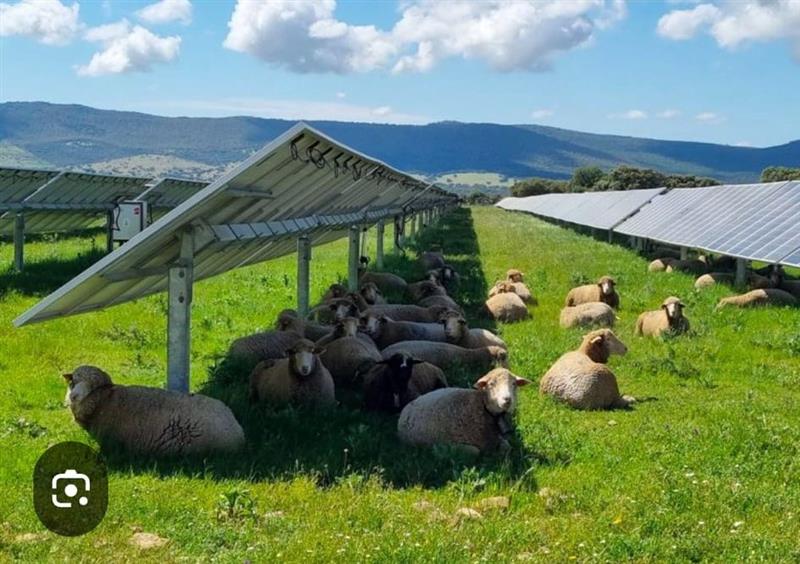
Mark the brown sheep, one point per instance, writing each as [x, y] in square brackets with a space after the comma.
[668, 319]
[590, 314]
[506, 305]
[603, 291]
[458, 333]
[762, 297]
[349, 355]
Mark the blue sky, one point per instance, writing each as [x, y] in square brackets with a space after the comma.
[718, 71]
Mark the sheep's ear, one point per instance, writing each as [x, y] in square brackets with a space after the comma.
[319, 350]
[384, 319]
[596, 340]
[521, 381]
[414, 361]
[68, 377]
[481, 384]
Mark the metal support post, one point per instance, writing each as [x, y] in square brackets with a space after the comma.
[741, 272]
[110, 231]
[303, 263]
[413, 226]
[19, 242]
[379, 245]
[353, 259]
[179, 321]
[684, 253]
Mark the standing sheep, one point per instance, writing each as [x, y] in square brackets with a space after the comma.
[603, 291]
[150, 421]
[394, 382]
[385, 331]
[756, 298]
[506, 305]
[668, 319]
[581, 378]
[300, 379]
[476, 420]
[458, 333]
[590, 314]
[451, 357]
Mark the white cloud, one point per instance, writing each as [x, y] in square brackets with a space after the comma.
[708, 117]
[127, 49]
[668, 114]
[296, 109]
[341, 95]
[167, 11]
[630, 114]
[542, 113]
[48, 21]
[743, 144]
[684, 24]
[733, 24]
[304, 35]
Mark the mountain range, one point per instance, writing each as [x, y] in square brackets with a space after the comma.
[79, 137]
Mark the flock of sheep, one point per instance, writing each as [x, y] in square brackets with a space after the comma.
[398, 358]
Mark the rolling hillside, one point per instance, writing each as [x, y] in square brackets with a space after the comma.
[102, 140]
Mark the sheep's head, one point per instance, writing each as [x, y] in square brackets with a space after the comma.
[499, 355]
[500, 390]
[673, 307]
[342, 308]
[430, 288]
[303, 357]
[448, 273]
[370, 293]
[347, 327]
[80, 383]
[288, 321]
[401, 368]
[601, 344]
[372, 324]
[504, 288]
[434, 276]
[776, 275]
[514, 275]
[455, 326]
[606, 284]
[337, 291]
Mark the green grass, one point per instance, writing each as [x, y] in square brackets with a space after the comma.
[705, 469]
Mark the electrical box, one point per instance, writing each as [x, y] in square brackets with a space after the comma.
[130, 218]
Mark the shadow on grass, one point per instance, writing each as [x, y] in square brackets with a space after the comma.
[42, 276]
[330, 445]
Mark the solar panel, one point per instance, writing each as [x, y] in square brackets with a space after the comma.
[83, 191]
[168, 193]
[302, 183]
[16, 184]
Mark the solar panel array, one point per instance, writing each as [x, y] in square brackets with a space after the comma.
[301, 184]
[749, 221]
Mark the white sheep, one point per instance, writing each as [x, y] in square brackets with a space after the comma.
[668, 319]
[506, 305]
[477, 420]
[300, 379]
[515, 279]
[762, 297]
[349, 355]
[150, 421]
[457, 332]
[581, 378]
[589, 314]
[603, 291]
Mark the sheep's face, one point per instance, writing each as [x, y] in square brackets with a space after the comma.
[303, 358]
[82, 382]
[776, 276]
[337, 291]
[347, 327]
[606, 284]
[455, 326]
[372, 325]
[500, 390]
[342, 309]
[448, 273]
[601, 344]
[514, 276]
[370, 293]
[401, 368]
[674, 308]
[287, 322]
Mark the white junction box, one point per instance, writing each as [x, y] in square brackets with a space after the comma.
[130, 218]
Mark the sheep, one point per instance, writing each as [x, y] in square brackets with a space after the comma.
[347, 327]
[506, 306]
[431, 260]
[762, 297]
[425, 288]
[385, 331]
[371, 294]
[451, 357]
[458, 333]
[518, 288]
[581, 378]
[300, 379]
[150, 421]
[288, 320]
[334, 291]
[386, 282]
[589, 314]
[754, 281]
[660, 264]
[477, 420]
[394, 382]
[603, 291]
[335, 310]
[690, 266]
[404, 312]
[350, 355]
[263, 346]
[790, 286]
[668, 319]
[443, 301]
[449, 278]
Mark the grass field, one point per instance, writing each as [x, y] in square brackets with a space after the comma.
[705, 468]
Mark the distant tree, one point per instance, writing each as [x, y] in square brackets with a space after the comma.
[778, 173]
[631, 178]
[538, 186]
[690, 181]
[585, 177]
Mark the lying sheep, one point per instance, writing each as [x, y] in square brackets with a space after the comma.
[790, 286]
[603, 291]
[668, 319]
[442, 301]
[590, 314]
[448, 277]
[150, 421]
[425, 288]
[347, 327]
[371, 294]
[386, 282]
[506, 305]
[476, 420]
[394, 382]
[300, 379]
[431, 260]
[518, 288]
[335, 310]
[660, 264]
[385, 331]
[334, 291]
[458, 333]
[288, 320]
[451, 357]
[762, 297]
[690, 266]
[349, 356]
[754, 281]
[405, 312]
[263, 346]
[581, 378]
